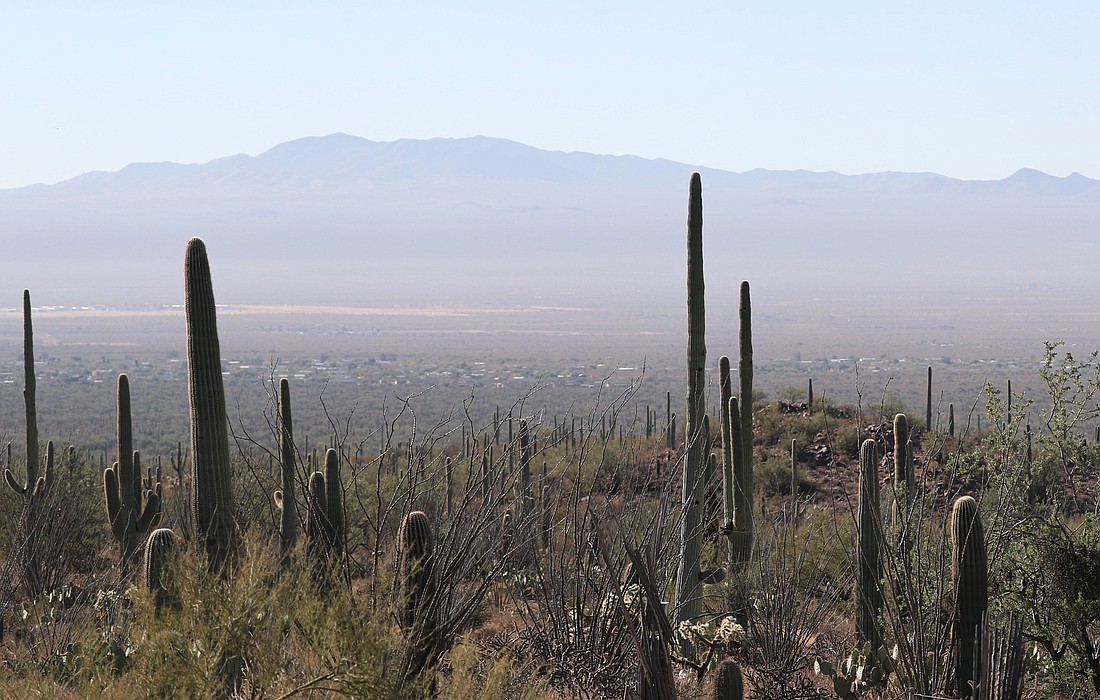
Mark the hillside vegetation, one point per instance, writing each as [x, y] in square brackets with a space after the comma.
[717, 546]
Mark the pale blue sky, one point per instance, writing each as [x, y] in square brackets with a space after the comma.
[970, 90]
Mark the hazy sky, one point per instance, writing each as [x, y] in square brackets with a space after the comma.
[971, 90]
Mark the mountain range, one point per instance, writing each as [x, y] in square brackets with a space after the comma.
[341, 218]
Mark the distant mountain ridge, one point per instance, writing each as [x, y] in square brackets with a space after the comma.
[341, 157]
[456, 205]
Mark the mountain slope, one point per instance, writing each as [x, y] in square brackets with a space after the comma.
[448, 205]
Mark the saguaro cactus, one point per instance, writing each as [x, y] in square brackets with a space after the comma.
[284, 497]
[905, 479]
[160, 549]
[334, 500]
[35, 485]
[869, 590]
[728, 684]
[525, 453]
[318, 530]
[325, 518]
[689, 599]
[928, 403]
[122, 489]
[212, 503]
[969, 574]
[416, 607]
[742, 535]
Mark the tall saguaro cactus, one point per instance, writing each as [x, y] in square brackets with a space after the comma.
[869, 590]
[743, 516]
[284, 497]
[689, 599]
[928, 403]
[122, 489]
[969, 574]
[35, 485]
[212, 503]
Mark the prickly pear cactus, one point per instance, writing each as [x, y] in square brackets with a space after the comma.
[212, 504]
[865, 671]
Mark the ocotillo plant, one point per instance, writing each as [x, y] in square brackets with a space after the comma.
[416, 606]
[728, 684]
[688, 597]
[160, 549]
[1002, 659]
[969, 574]
[122, 489]
[526, 495]
[284, 497]
[212, 503]
[869, 584]
[743, 519]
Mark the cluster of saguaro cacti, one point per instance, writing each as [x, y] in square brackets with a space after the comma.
[969, 574]
[212, 502]
[284, 497]
[325, 517]
[869, 583]
[417, 605]
[736, 415]
[689, 597]
[128, 517]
